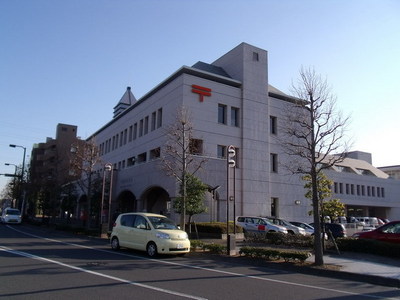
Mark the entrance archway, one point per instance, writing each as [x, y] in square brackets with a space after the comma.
[126, 202]
[157, 200]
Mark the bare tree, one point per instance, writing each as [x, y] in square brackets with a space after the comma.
[314, 134]
[180, 155]
[84, 157]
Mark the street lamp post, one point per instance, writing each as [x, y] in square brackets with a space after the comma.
[15, 175]
[108, 167]
[230, 163]
[22, 178]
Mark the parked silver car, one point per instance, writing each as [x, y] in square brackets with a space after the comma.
[258, 224]
[308, 228]
[290, 227]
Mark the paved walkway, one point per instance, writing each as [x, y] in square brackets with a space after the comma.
[364, 264]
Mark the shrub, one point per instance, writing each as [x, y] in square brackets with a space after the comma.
[215, 248]
[274, 254]
[277, 238]
[196, 244]
[214, 227]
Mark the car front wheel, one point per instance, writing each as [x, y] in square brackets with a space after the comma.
[115, 243]
[151, 249]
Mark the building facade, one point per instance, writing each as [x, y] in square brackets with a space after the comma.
[50, 163]
[230, 103]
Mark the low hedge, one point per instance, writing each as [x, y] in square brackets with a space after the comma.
[277, 238]
[275, 254]
[214, 227]
[211, 247]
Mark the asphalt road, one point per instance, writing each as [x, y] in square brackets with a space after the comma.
[37, 263]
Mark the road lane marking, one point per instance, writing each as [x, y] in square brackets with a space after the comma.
[28, 255]
[207, 269]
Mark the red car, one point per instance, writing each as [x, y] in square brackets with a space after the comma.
[390, 233]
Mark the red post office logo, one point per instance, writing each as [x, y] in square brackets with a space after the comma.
[202, 91]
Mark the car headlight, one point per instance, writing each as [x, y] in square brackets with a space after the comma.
[161, 235]
[183, 236]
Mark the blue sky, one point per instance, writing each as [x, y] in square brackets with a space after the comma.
[71, 61]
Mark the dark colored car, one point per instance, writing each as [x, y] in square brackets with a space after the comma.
[390, 233]
[337, 230]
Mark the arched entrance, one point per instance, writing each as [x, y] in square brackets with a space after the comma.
[156, 200]
[126, 202]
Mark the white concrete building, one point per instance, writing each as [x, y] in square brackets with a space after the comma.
[231, 103]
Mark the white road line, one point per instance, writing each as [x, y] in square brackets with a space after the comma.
[24, 254]
[208, 269]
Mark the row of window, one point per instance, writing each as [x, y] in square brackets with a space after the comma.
[223, 118]
[359, 190]
[150, 123]
[138, 129]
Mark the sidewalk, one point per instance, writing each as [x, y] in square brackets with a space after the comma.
[360, 266]
[364, 264]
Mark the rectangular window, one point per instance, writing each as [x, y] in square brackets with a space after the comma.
[352, 189]
[142, 158]
[255, 56]
[358, 190]
[221, 151]
[273, 125]
[335, 185]
[373, 191]
[146, 125]
[378, 191]
[196, 147]
[159, 118]
[274, 162]
[341, 188]
[130, 133]
[121, 138]
[153, 121]
[383, 192]
[130, 161]
[135, 131]
[347, 188]
[125, 136]
[368, 191]
[235, 116]
[155, 153]
[363, 190]
[141, 128]
[222, 114]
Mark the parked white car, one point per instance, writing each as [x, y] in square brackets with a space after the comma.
[307, 227]
[290, 227]
[258, 224]
[11, 216]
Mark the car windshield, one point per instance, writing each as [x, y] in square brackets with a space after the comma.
[13, 212]
[162, 223]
